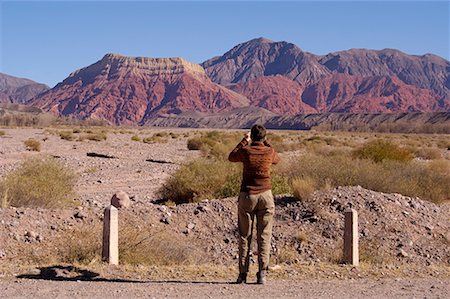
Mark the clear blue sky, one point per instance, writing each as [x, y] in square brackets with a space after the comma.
[45, 41]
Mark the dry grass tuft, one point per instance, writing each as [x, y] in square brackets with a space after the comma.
[303, 188]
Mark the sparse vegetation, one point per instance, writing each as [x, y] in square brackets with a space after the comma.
[32, 145]
[138, 245]
[38, 182]
[154, 139]
[135, 138]
[94, 136]
[429, 181]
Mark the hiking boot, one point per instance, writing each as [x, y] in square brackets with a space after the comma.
[261, 277]
[242, 278]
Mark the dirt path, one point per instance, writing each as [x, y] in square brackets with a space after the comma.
[364, 288]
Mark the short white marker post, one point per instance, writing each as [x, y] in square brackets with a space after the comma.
[110, 249]
[351, 238]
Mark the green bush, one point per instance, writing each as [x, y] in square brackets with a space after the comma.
[32, 145]
[38, 182]
[379, 150]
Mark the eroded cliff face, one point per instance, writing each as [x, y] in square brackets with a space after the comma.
[129, 90]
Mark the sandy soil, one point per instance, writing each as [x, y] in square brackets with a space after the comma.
[391, 288]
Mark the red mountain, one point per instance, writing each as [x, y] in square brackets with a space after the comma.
[277, 76]
[263, 57]
[422, 83]
[18, 90]
[278, 94]
[344, 93]
[132, 89]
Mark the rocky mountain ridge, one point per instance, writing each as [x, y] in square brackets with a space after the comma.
[276, 76]
[18, 90]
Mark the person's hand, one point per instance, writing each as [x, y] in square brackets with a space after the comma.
[247, 137]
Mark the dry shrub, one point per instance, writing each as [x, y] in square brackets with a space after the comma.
[140, 246]
[96, 136]
[215, 144]
[67, 135]
[303, 188]
[155, 139]
[301, 237]
[32, 145]
[287, 255]
[379, 150]
[82, 245]
[38, 182]
[2, 133]
[201, 179]
[428, 181]
[194, 144]
[135, 138]
[428, 153]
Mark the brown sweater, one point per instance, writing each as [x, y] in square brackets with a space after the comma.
[257, 158]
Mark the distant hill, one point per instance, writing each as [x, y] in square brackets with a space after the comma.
[18, 90]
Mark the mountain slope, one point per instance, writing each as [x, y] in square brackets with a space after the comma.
[424, 80]
[18, 90]
[263, 57]
[129, 90]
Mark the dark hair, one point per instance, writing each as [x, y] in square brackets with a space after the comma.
[258, 133]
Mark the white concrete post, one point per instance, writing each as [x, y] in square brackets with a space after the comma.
[110, 249]
[351, 238]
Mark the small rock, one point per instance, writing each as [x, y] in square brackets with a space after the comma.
[402, 253]
[191, 225]
[80, 215]
[165, 219]
[34, 271]
[120, 200]
[31, 235]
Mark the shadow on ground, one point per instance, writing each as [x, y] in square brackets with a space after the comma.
[72, 273]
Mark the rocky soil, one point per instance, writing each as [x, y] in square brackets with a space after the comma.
[399, 236]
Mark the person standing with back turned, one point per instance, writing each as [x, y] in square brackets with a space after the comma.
[255, 199]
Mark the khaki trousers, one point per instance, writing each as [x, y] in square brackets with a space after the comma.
[262, 207]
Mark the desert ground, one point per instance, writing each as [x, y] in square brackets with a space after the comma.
[190, 249]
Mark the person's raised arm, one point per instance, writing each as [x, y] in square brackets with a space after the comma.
[236, 154]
